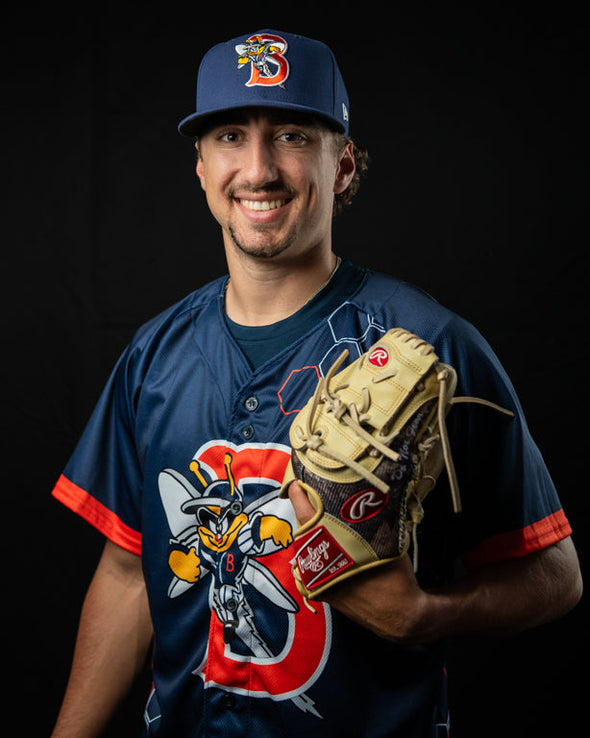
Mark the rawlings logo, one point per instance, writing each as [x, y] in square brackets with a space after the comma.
[364, 505]
[378, 357]
[266, 56]
[313, 560]
[321, 559]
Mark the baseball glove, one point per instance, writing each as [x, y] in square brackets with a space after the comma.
[367, 448]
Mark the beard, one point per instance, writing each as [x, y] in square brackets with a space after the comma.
[264, 247]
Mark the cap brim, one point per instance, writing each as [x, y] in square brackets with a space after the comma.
[192, 124]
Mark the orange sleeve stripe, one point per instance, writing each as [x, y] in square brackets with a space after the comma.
[95, 513]
[517, 543]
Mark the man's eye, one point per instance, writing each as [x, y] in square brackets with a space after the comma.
[292, 137]
[229, 136]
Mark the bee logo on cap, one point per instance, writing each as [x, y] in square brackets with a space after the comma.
[266, 57]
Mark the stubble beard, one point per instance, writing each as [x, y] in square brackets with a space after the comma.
[265, 248]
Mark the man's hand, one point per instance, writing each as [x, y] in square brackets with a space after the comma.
[387, 599]
[500, 598]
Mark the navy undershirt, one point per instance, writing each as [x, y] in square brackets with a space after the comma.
[260, 343]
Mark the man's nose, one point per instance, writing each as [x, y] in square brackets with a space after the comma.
[261, 167]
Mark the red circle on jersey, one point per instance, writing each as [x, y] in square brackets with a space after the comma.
[364, 505]
[378, 356]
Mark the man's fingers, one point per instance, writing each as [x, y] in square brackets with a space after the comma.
[303, 508]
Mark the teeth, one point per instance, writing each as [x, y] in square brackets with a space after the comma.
[262, 204]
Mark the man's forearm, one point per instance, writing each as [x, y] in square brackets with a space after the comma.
[112, 644]
[502, 598]
[510, 596]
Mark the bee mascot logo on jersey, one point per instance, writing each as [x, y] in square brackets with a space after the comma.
[232, 532]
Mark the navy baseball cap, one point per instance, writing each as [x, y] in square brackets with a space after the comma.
[270, 69]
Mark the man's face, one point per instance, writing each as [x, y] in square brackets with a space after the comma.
[270, 180]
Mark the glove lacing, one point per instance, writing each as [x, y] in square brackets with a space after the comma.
[354, 417]
[349, 415]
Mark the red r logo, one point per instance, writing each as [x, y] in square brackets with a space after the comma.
[364, 505]
[378, 357]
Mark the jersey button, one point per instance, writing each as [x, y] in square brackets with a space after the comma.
[228, 701]
[251, 403]
[248, 432]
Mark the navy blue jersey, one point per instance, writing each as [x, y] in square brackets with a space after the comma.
[181, 462]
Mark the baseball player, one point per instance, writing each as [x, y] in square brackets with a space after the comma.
[182, 461]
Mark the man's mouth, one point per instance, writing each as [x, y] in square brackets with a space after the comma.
[262, 204]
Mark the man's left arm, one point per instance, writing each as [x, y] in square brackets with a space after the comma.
[504, 597]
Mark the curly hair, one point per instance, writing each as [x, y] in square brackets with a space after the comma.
[361, 160]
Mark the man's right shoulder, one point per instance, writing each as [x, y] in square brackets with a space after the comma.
[181, 311]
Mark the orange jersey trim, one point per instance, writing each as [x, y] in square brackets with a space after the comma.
[95, 513]
[517, 543]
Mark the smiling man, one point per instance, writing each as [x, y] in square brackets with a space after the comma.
[270, 180]
[181, 464]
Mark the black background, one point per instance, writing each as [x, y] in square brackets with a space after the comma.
[474, 118]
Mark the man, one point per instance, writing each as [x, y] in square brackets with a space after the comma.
[181, 463]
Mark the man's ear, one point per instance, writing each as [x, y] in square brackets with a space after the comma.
[346, 169]
[199, 167]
